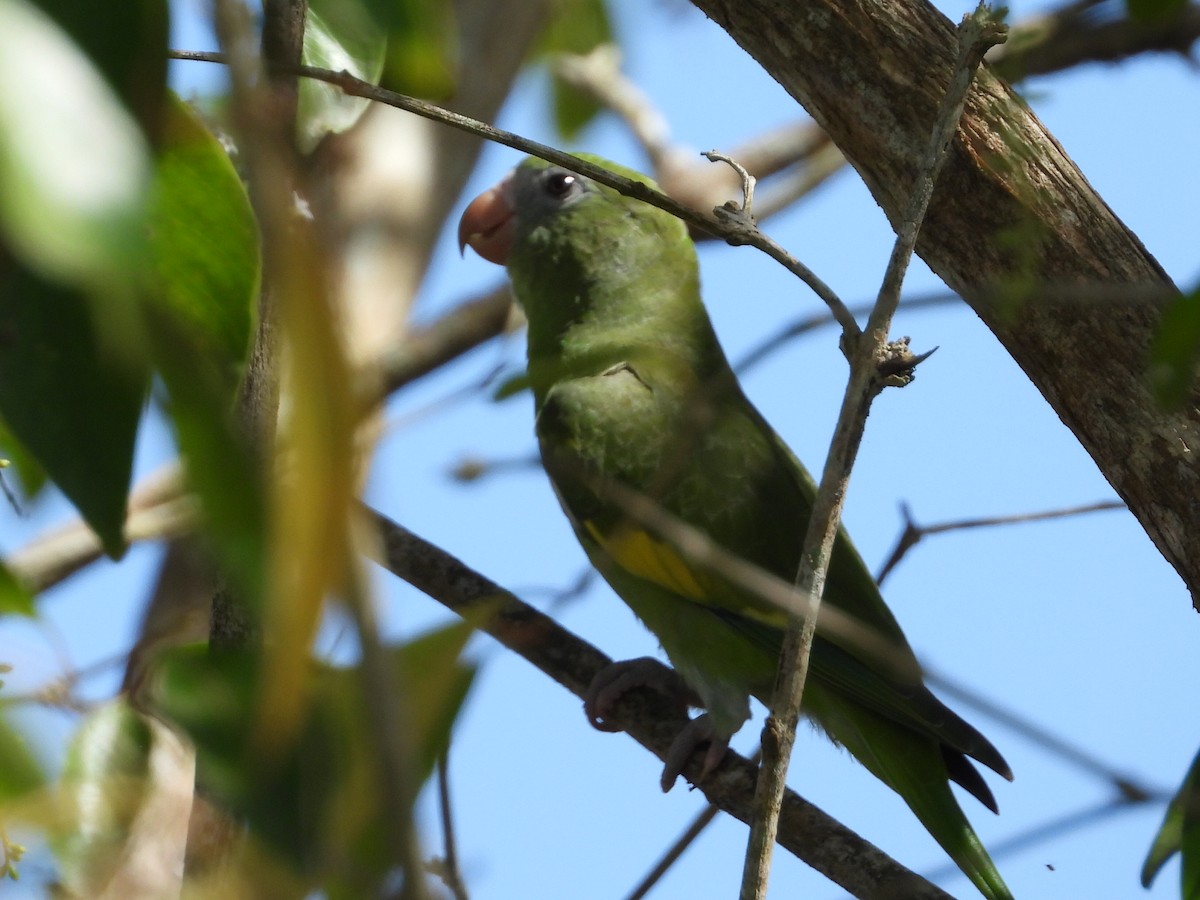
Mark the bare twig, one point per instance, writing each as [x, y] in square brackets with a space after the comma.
[732, 232]
[157, 508]
[869, 356]
[913, 533]
[1067, 823]
[1046, 740]
[673, 853]
[671, 856]
[599, 75]
[1079, 33]
[424, 349]
[449, 870]
[702, 551]
[648, 717]
[806, 324]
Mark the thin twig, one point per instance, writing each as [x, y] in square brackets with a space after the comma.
[1077, 33]
[648, 717]
[1043, 739]
[869, 356]
[449, 870]
[675, 851]
[598, 74]
[913, 533]
[733, 232]
[1067, 823]
[806, 324]
[699, 549]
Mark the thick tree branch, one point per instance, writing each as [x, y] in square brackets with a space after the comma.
[1012, 211]
[650, 719]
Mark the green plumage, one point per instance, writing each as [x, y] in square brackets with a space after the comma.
[632, 386]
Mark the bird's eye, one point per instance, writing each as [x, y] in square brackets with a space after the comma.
[559, 184]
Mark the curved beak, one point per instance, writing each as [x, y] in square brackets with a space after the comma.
[487, 223]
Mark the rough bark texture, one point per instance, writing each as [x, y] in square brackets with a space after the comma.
[1012, 218]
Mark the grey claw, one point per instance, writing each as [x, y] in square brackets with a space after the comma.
[694, 735]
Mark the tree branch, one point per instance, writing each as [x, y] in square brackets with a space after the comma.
[650, 719]
[1077, 33]
[872, 358]
[869, 72]
[731, 229]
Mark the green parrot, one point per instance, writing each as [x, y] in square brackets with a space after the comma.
[632, 388]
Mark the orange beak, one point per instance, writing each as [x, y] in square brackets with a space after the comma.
[487, 223]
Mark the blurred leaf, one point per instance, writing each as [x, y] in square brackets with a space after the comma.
[431, 670]
[206, 261]
[103, 786]
[315, 802]
[31, 476]
[73, 163]
[73, 178]
[577, 26]
[14, 598]
[1154, 10]
[203, 242]
[1175, 352]
[127, 43]
[19, 771]
[1180, 831]
[422, 46]
[69, 398]
[339, 35]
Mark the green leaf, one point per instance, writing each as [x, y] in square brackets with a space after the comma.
[14, 598]
[431, 672]
[104, 784]
[73, 163]
[578, 27]
[74, 172]
[339, 35]
[1180, 832]
[72, 396]
[32, 477]
[20, 773]
[1154, 10]
[422, 46]
[205, 259]
[203, 242]
[1175, 353]
[316, 803]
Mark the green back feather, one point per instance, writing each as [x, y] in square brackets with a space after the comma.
[631, 385]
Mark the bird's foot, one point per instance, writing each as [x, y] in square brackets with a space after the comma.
[611, 683]
[695, 734]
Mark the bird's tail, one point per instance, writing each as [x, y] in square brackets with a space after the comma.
[913, 766]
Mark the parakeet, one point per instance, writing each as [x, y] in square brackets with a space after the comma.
[631, 387]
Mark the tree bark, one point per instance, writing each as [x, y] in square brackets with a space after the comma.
[1014, 228]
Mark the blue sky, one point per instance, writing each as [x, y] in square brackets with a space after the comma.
[1078, 625]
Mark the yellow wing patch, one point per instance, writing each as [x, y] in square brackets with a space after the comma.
[641, 554]
[638, 553]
